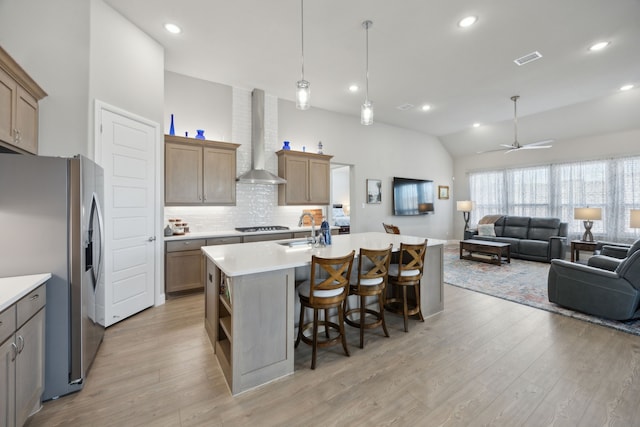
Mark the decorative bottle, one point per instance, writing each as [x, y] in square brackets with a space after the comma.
[172, 129]
[286, 146]
[319, 147]
[200, 134]
[325, 230]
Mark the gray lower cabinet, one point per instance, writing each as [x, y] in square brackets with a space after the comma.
[184, 265]
[22, 358]
[237, 325]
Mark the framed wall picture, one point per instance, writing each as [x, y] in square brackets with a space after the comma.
[443, 192]
[374, 191]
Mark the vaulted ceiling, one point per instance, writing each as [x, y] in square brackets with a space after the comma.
[419, 55]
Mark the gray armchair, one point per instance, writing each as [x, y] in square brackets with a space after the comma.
[609, 294]
[610, 255]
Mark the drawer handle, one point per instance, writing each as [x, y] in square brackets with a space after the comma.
[35, 297]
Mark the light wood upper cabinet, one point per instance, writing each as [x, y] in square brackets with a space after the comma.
[199, 172]
[308, 178]
[19, 96]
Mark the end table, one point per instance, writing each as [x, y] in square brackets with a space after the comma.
[581, 245]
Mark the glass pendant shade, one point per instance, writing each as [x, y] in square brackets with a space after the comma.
[303, 94]
[366, 113]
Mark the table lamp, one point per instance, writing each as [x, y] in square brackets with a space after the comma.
[588, 215]
[635, 218]
[465, 206]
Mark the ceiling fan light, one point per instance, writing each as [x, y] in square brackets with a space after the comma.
[303, 95]
[467, 21]
[598, 46]
[366, 113]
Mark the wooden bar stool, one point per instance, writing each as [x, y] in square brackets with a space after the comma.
[327, 288]
[391, 229]
[371, 281]
[407, 273]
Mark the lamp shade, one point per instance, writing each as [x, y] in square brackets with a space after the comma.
[635, 218]
[464, 206]
[587, 214]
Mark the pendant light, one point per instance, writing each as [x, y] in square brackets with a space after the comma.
[366, 111]
[303, 91]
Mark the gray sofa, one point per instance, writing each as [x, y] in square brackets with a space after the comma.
[610, 294]
[535, 239]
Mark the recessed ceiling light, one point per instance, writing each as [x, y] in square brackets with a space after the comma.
[172, 28]
[426, 107]
[599, 46]
[354, 88]
[476, 125]
[626, 87]
[468, 21]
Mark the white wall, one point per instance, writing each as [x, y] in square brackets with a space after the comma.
[340, 185]
[50, 40]
[587, 148]
[377, 152]
[197, 104]
[126, 66]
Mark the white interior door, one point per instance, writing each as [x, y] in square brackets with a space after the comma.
[127, 154]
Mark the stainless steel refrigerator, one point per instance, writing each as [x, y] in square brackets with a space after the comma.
[51, 222]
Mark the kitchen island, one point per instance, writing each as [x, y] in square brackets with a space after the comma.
[250, 299]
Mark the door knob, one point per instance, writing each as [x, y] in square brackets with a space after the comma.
[152, 238]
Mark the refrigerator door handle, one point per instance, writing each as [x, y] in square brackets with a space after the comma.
[96, 266]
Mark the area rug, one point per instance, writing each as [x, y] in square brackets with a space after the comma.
[524, 282]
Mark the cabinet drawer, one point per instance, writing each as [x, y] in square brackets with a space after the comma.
[265, 237]
[31, 304]
[185, 245]
[7, 323]
[224, 240]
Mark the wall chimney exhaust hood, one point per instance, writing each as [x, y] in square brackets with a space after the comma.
[257, 174]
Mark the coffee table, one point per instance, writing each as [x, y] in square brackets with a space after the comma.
[493, 252]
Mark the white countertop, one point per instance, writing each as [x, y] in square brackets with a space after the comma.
[236, 233]
[14, 288]
[250, 258]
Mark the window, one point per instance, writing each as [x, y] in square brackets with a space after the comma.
[555, 190]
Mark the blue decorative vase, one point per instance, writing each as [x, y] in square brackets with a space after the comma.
[286, 146]
[172, 129]
[200, 134]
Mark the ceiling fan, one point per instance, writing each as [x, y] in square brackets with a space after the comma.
[508, 148]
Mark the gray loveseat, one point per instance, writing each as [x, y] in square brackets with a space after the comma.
[535, 239]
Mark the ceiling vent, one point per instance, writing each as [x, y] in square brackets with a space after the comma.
[405, 107]
[528, 58]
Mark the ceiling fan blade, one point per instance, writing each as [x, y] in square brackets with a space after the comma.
[535, 147]
[546, 141]
[509, 146]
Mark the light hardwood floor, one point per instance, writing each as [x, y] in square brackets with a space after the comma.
[483, 361]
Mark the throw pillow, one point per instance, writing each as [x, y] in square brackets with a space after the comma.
[486, 230]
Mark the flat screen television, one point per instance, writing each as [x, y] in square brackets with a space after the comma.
[412, 196]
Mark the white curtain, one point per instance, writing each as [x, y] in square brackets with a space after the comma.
[555, 190]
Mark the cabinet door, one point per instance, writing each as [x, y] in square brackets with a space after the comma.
[29, 367]
[26, 121]
[8, 89]
[297, 185]
[183, 174]
[319, 181]
[7, 383]
[219, 176]
[184, 270]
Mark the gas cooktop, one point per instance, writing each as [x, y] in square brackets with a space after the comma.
[261, 228]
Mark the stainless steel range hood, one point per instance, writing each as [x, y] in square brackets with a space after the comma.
[257, 174]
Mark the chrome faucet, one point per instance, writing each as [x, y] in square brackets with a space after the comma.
[313, 225]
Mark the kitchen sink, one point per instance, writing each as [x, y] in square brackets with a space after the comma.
[296, 243]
